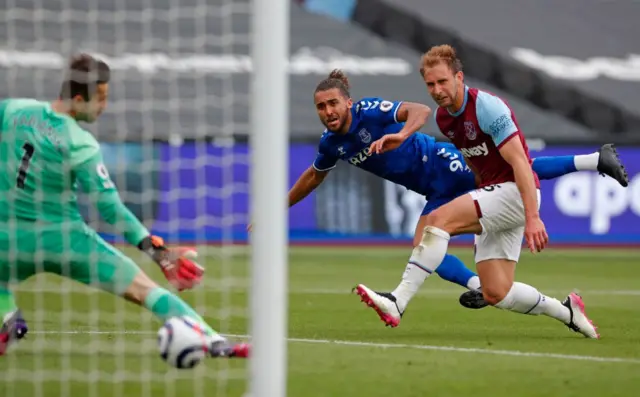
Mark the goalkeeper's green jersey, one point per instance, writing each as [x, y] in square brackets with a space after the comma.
[45, 156]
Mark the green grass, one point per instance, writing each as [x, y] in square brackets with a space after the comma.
[79, 346]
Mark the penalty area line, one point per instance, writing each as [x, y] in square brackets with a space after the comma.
[513, 353]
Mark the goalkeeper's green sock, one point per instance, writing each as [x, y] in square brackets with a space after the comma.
[7, 303]
[165, 305]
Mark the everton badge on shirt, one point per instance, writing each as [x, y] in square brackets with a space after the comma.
[364, 135]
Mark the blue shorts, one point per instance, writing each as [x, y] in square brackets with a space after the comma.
[452, 177]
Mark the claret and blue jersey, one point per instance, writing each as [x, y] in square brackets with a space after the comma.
[479, 129]
[420, 164]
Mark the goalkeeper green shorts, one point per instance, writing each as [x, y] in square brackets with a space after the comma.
[74, 251]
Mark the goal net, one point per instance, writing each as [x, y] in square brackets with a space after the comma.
[174, 139]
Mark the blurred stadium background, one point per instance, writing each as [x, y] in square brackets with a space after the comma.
[175, 141]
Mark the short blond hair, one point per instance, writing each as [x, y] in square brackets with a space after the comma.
[440, 54]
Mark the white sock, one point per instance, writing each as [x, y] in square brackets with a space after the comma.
[553, 308]
[424, 260]
[525, 299]
[587, 162]
[412, 279]
[474, 283]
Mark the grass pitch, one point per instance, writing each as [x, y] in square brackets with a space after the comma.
[87, 343]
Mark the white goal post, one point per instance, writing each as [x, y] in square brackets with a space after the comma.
[269, 150]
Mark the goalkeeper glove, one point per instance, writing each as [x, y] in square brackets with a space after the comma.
[177, 264]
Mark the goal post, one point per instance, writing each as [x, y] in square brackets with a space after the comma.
[269, 209]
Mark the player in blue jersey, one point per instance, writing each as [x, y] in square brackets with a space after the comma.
[433, 169]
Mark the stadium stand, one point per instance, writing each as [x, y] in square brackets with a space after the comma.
[587, 73]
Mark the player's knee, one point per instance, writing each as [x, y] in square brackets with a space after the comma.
[494, 294]
[138, 290]
[437, 219]
[444, 219]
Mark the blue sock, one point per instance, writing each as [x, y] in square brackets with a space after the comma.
[452, 269]
[554, 167]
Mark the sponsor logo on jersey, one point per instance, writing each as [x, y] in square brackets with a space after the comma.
[360, 157]
[475, 151]
[470, 130]
[341, 151]
[501, 124]
[364, 135]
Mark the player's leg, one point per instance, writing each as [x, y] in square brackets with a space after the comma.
[605, 161]
[497, 250]
[450, 178]
[163, 304]
[452, 268]
[95, 262]
[496, 255]
[456, 217]
[13, 326]
[16, 265]
[496, 214]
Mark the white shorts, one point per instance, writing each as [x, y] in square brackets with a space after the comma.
[501, 214]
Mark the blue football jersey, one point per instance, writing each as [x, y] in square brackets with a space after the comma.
[415, 165]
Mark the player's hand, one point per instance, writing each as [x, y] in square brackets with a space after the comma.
[535, 234]
[178, 264]
[387, 143]
[181, 270]
[249, 227]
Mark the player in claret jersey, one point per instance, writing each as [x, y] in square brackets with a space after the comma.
[45, 154]
[500, 212]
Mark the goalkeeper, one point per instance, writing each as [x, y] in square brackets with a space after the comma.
[45, 155]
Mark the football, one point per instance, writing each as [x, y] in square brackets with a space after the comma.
[183, 342]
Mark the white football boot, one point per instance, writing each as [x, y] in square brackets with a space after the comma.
[383, 303]
[579, 320]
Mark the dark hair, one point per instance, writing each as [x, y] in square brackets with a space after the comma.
[83, 74]
[337, 79]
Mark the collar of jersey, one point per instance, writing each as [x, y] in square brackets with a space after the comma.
[464, 103]
[354, 123]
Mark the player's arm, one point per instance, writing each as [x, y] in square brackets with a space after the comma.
[413, 115]
[513, 153]
[495, 119]
[310, 179]
[535, 234]
[313, 176]
[93, 178]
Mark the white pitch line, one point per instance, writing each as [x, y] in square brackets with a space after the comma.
[513, 353]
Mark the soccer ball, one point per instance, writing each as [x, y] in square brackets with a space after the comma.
[183, 342]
